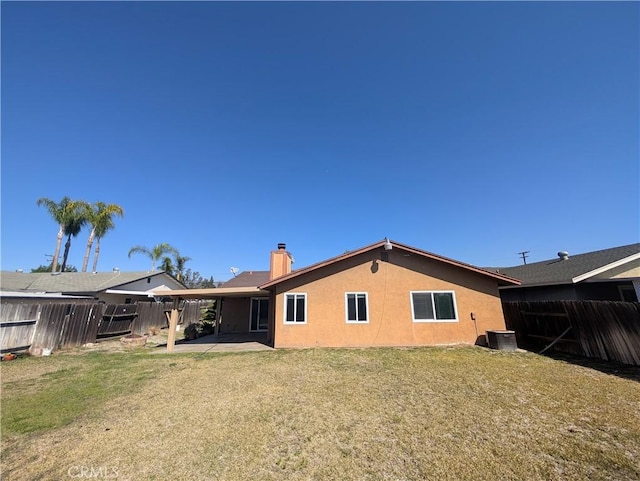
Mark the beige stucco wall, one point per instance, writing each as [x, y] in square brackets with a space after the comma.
[629, 270]
[388, 285]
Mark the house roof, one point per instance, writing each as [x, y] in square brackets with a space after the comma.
[575, 268]
[247, 279]
[70, 282]
[501, 278]
[39, 295]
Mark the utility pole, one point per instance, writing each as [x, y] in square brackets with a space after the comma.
[524, 256]
[49, 257]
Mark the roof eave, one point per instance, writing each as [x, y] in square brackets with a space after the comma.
[605, 268]
[213, 292]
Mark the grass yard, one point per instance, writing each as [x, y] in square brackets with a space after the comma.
[317, 414]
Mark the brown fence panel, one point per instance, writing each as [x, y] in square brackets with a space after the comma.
[18, 312]
[17, 326]
[151, 315]
[192, 311]
[16, 335]
[116, 320]
[49, 326]
[154, 314]
[81, 325]
[608, 330]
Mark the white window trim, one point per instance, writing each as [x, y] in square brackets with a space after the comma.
[346, 307]
[413, 314]
[284, 309]
[251, 315]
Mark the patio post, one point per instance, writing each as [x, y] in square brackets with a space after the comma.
[173, 324]
[216, 329]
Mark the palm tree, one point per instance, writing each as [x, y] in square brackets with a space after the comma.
[175, 266]
[180, 264]
[75, 218]
[166, 264]
[100, 217]
[70, 216]
[56, 210]
[155, 254]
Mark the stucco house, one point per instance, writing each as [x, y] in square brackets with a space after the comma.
[110, 287]
[383, 294]
[604, 275]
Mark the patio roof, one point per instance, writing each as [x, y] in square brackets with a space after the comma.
[213, 292]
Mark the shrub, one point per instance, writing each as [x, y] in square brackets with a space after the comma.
[192, 331]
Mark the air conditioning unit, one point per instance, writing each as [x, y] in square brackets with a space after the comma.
[502, 340]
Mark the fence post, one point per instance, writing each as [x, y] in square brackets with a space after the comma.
[173, 324]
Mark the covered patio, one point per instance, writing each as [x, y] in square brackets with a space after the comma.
[219, 340]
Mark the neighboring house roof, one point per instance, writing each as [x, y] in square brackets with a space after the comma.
[247, 279]
[501, 278]
[71, 282]
[39, 295]
[573, 269]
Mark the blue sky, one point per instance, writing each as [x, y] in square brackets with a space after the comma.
[472, 130]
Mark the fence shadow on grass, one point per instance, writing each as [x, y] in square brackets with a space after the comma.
[613, 368]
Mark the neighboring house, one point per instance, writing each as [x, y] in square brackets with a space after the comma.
[110, 287]
[384, 294]
[609, 274]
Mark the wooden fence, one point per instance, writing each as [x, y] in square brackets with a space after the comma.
[156, 314]
[602, 329]
[61, 326]
[17, 326]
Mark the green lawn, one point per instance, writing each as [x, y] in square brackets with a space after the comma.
[325, 414]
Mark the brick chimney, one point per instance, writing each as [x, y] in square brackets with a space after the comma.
[280, 264]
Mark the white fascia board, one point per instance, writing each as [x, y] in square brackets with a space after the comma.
[602, 269]
[129, 293]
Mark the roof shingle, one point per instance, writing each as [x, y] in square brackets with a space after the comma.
[248, 279]
[69, 282]
[558, 271]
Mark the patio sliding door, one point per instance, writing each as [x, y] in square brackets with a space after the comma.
[259, 318]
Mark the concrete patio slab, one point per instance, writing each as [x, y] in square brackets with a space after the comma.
[221, 343]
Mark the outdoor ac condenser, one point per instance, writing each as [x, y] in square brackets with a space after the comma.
[502, 340]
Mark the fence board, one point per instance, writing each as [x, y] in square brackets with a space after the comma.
[607, 330]
[49, 326]
[116, 320]
[151, 315]
[16, 335]
[67, 325]
[80, 326]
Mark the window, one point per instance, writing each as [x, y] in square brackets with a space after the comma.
[435, 306]
[357, 307]
[295, 308]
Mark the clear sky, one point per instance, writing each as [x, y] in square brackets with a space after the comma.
[471, 130]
